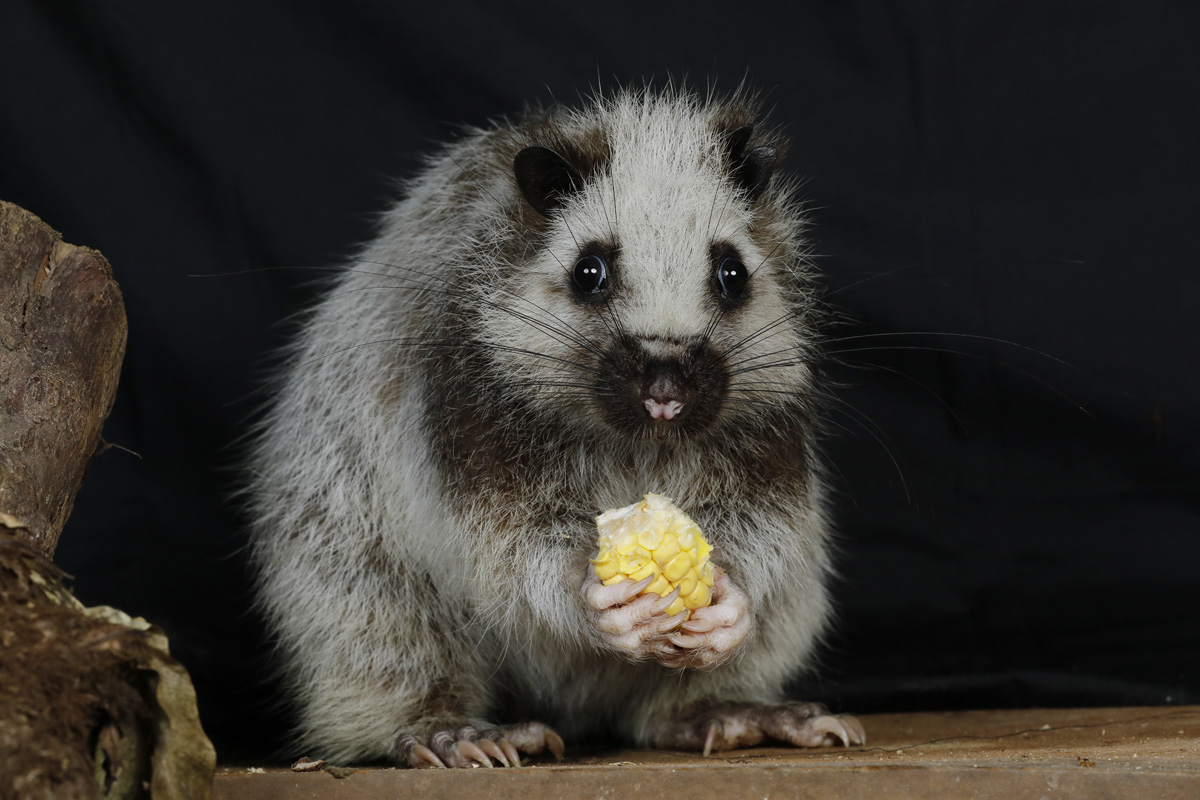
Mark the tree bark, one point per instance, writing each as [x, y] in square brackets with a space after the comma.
[62, 339]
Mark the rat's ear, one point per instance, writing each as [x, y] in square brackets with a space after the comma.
[751, 170]
[545, 178]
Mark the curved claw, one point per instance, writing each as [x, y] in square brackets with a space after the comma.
[555, 743]
[710, 738]
[834, 729]
[511, 751]
[534, 737]
[663, 652]
[464, 746]
[511, 758]
[828, 729]
[671, 623]
[665, 601]
[493, 750]
[472, 752]
[858, 734]
[421, 757]
[698, 625]
[685, 641]
[602, 597]
[725, 726]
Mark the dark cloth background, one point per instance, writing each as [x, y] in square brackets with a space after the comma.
[1017, 503]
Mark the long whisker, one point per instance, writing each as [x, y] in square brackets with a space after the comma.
[759, 333]
[504, 348]
[771, 365]
[826, 420]
[717, 222]
[711, 209]
[873, 277]
[988, 359]
[763, 337]
[565, 384]
[765, 258]
[921, 384]
[577, 337]
[884, 441]
[871, 427]
[565, 334]
[603, 320]
[975, 336]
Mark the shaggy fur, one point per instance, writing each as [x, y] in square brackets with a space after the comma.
[423, 486]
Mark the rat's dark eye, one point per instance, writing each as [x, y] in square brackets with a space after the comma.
[590, 275]
[732, 277]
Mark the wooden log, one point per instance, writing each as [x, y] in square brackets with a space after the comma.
[92, 705]
[62, 339]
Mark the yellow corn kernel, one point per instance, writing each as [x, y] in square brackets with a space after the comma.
[606, 569]
[654, 537]
[699, 598]
[667, 551]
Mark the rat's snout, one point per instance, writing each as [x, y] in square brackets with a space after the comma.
[665, 393]
[659, 387]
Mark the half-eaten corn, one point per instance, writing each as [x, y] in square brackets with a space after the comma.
[654, 537]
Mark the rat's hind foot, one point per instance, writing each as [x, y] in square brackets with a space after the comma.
[465, 746]
[728, 726]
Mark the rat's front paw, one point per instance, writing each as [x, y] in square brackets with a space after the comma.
[713, 633]
[639, 629]
[635, 628]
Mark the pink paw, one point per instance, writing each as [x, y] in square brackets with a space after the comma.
[638, 629]
[715, 632]
[635, 627]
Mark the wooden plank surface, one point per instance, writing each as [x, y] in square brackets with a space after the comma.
[1050, 753]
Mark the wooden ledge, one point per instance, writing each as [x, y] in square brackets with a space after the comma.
[1052, 753]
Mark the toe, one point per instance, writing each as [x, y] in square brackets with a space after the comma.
[817, 731]
[457, 748]
[493, 750]
[416, 754]
[858, 734]
[831, 731]
[603, 597]
[534, 738]
[510, 750]
[555, 744]
[672, 623]
[664, 602]
[712, 735]
[698, 625]
[506, 752]
[472, 753]
[685, 641]
[625, 618]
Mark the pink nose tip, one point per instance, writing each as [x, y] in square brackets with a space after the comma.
[665, 411]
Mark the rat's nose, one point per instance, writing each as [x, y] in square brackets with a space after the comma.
[665, 395]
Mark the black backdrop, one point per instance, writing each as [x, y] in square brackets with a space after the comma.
[1019, 521]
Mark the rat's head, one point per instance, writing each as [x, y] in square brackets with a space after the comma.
[661, 289]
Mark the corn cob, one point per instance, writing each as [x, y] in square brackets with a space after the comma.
[654, 537]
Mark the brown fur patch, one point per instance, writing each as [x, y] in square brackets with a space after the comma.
[442, 700]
